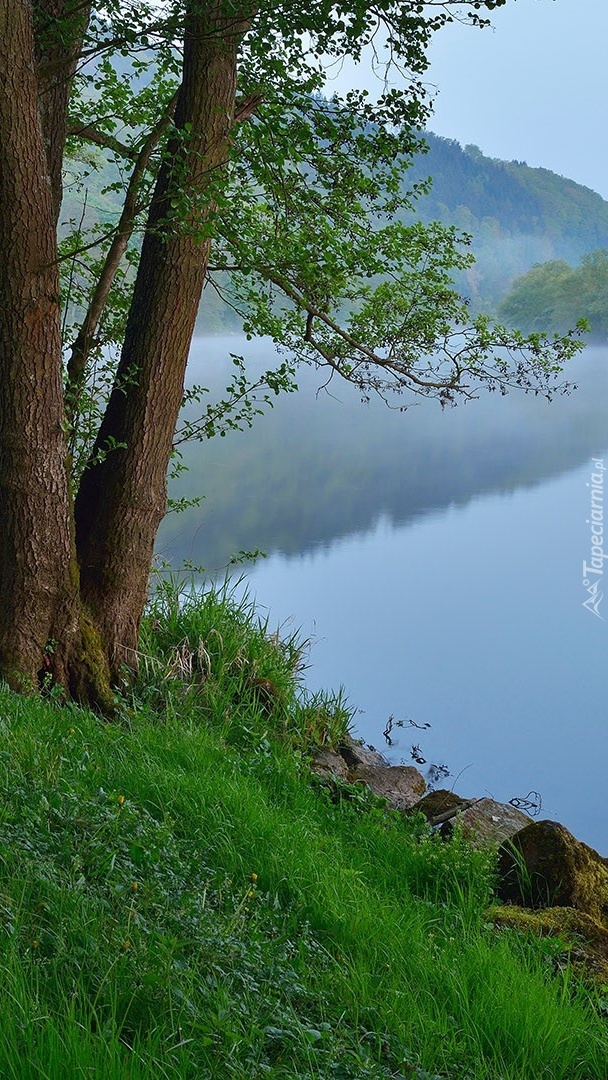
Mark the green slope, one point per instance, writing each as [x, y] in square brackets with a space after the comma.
[178, 900]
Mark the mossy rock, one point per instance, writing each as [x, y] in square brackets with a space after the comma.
[545, 866]
[585, 940]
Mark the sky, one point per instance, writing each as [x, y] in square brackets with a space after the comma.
[530, 89]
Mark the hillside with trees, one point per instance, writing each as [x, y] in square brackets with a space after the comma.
[517, 216]
[554, 294]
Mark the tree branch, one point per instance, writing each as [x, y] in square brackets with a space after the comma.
[92, 134]
[83, 343]
[245, 107]
[403, 374]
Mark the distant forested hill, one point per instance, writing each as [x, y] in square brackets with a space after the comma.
[518, 216]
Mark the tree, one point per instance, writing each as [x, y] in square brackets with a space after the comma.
[229, 162]
[589, 297]
[537, 299]
[553, 295]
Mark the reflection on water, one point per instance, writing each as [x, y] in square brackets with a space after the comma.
[435, 559]
[321, 466]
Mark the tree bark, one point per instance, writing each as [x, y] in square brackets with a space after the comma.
[43, 628]
[35, 537]
[122, 496]
[59, 29]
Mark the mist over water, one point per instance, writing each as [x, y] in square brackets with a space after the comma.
[435, 559]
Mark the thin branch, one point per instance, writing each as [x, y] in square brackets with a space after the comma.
[99, 239]
[447, 815]
[195, 429]
[83, 343]
[367, 355]
[163, 29]
[101, 138]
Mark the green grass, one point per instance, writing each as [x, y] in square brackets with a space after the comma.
[178, 899]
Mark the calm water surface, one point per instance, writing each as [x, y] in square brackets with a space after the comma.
[435, 560]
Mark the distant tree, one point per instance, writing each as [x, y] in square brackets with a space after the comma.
[555, 295]
[227, 162]
[538, 299]
[589, 297]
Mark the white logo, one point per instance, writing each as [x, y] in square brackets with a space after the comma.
[592, 602]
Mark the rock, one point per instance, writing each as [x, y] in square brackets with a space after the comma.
[355, 753]
[487, 822]
[328, 763]
[587, 940]
[400, 785]
[546, 866]
[437, 806]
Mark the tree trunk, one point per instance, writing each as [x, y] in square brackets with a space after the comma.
[42, 626]
[35, 539]
[122, 496]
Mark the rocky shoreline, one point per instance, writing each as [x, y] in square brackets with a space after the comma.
[549, 883]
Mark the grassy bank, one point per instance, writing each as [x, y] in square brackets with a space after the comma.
[178, 899]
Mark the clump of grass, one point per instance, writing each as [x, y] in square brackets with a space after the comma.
[213, 652]
[177, 900]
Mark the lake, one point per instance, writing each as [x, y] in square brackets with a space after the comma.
[436, 560]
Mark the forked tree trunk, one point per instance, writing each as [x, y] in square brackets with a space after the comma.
[73, 583]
